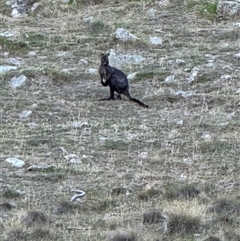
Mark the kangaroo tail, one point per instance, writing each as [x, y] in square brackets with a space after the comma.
[139, 102]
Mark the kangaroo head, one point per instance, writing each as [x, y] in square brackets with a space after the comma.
[104, 59]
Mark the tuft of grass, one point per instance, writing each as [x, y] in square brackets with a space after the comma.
[115, 145]
[123, 236]
[105, 204]
[205, 8]
[10, 193]
[12, 45]
[212, 238]
[58, 76]
[153, 217]
[6, 206]
[66, 207]
[55, 177]
[225, 206]
[144, 75]
[98, 27]
[35, 218]
[85, 2]
[187, 191]
[148, 194]
[37, 234]
[16, 234]
[182, 224]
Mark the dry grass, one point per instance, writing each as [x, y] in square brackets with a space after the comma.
[157, 173]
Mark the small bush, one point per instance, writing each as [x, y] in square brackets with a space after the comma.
[10, 193]
[123, 236]
[153, 217]
[211, 238]
[6, 206]
[66, 206]
[98, 27]
[147, 194]
[188, 191]
[35, 218]
[224, 205]
[182, 224]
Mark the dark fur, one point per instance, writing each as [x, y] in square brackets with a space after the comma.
[116, 80]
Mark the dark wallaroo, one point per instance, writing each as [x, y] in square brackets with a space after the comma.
[116, 80]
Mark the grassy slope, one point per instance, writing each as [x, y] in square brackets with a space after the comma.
[162, 165]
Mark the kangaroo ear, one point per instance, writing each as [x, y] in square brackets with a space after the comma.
[102, 54]
[107, 54]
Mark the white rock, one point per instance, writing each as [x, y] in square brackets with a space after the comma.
[225, 76]
[132, 76]
[34, 106]
[124, 35]
[231, 115]
[169, 78]
[15, 162]
[92, 71]
[25, 114]
[35, 6]
[152, 11]
[180, 61]
[237, 56]
[32, 53]
[16, 14]
[89, 19]
[18, 81]
[83, 61]
[16, 61]
[156, 40]
[180, 123]
[32, 125]
[7, 34]
[6, 68]
[193, 74]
